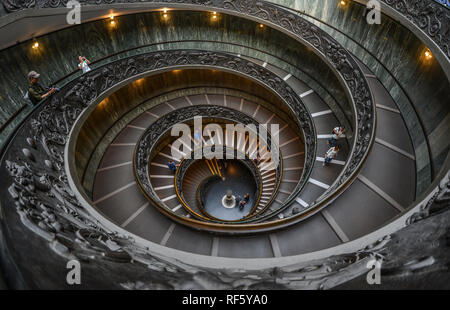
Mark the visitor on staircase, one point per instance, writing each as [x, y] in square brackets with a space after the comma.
[84, 64]
[172, 166]
[331, 154]
[336, 134]
[35, 91]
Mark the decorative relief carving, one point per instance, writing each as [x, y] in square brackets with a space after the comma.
[53, 121]
[439, 201]
[41, 193]
[38, 183]
[302, 29]
[429, 16]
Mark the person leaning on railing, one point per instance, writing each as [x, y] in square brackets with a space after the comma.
[83, 64]
[35, 91]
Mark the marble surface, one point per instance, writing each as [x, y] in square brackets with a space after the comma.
[400, 52]
[57, 54]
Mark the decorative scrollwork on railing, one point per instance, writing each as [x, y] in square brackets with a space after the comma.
[84, 90]
[432, 16]
[34, 182]
[50, 124]
[155, 132]
[321, 42]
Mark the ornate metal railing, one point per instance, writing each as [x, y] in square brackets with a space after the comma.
[34, 181]
[145, 150]
[431, 16]
[23, 112]
[327, 48]
[66, 105]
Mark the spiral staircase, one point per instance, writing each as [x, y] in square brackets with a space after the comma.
[85, 173]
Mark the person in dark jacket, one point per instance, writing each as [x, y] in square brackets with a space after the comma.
[35, 91]
[172, 166]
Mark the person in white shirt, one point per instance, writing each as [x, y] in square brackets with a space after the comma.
[336, 134]
[331, 154]
[84, 64]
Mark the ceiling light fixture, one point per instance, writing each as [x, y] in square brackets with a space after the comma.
[342, 3]
[165, 15]
[112, 21]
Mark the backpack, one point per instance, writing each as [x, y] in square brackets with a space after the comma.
[28, 100]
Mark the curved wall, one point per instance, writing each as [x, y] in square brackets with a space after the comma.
[402, 71]
[58, 51]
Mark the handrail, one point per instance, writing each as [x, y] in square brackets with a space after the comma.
[397, 82]
[403, 8]
[338, 59]
[430, 16]
[180, 193]
[142, 177]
